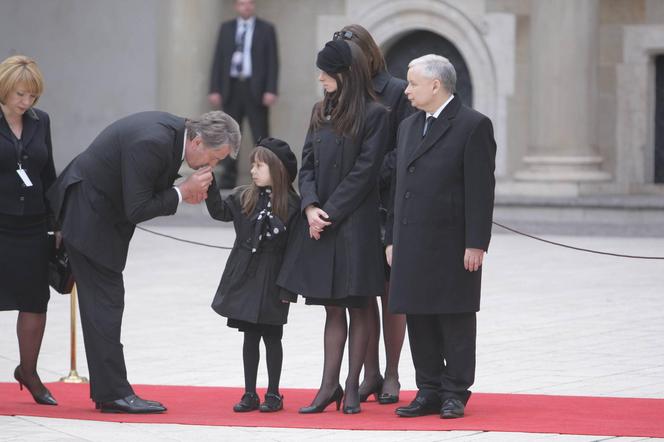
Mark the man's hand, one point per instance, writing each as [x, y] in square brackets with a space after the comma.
[194, 188]
[215, 100]
[317, 219]
[388, 254]
[269, 99]
[472, 259]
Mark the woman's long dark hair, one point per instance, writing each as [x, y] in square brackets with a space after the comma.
[281, 185]
[347, 105]
[369, 47]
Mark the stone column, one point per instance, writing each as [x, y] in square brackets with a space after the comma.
[563, 88]
[187, 38]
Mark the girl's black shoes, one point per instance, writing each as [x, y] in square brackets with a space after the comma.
[249, 402]
[273, 402]
[337, 396]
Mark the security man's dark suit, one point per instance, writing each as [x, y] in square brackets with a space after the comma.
[244, 96]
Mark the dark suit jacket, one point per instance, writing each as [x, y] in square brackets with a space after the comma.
[123, 178]
[340, 175]
[443, 204]
[37, 161]
[264, 60]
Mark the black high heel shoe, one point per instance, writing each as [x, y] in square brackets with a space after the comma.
[375, 390]
[42, 397]
[351, 409]
[387, 398]
[336, 397]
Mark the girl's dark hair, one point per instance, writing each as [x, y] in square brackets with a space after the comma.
[365, 41]
[281, 185]
[347, 105]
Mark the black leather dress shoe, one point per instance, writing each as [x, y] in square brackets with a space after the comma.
[419, 407]
[131, 404]
[452, 408]
[249, 402]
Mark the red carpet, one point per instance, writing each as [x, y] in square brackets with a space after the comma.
[485, 412]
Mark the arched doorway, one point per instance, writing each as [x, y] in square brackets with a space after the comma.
[417, 43]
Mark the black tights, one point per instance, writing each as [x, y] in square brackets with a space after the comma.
[251, 356]
[336, 331]
[30, 331]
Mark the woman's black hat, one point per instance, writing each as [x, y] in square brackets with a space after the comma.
[335, 57]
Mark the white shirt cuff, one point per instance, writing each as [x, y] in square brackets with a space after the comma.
[179, 194]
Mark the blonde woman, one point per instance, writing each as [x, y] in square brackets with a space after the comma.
[26, 171]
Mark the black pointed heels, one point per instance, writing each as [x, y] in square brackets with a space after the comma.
[337, 396]
[375, 389]
[39, 393]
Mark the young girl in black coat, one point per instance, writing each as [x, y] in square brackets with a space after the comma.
[263, 214]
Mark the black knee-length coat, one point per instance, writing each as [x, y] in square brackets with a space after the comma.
[340, 175]
[443, 204]
[247, 290]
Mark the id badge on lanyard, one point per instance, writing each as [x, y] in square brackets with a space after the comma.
[22, 174]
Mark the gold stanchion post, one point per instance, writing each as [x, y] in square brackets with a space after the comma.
[73, 377]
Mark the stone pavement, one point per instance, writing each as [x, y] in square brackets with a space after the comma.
[553, 321]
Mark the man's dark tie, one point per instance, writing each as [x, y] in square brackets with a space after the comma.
[427, 124]
[239, 47]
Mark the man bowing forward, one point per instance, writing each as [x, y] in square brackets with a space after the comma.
[438, 232]
[123, 178]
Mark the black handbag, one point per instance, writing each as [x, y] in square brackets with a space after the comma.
[60, 276]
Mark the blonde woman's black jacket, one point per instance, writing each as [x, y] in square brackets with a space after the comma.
[37, 160]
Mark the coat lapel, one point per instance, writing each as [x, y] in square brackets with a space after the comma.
[30, 124]
[438, 128]
[177, 154]
[5, 131]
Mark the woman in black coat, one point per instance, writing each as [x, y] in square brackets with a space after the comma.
[26, 172]
[390, 92]
[335, 258]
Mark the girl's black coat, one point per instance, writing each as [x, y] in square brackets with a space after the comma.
[340, 175]
[247, 290]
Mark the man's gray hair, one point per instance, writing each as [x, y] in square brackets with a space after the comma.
[437, 67]
[215, 128]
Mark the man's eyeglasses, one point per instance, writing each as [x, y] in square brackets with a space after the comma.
[342, 35]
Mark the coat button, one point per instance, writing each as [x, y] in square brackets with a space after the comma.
[25, 157]
[338, 141]
[404, 221]
[334, 165]
[411, 169]
[22, 198]
[407, 195]
[316, 163]
[317, 140]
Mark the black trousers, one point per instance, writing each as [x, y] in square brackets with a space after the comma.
[101, 303]
[443, 351]
[238, 104]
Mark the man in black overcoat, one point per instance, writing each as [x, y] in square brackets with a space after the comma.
[438, 231]
[244, 75]
[123, 178]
